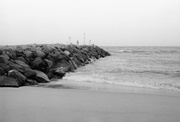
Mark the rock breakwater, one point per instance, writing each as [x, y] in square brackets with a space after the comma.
[25, 65]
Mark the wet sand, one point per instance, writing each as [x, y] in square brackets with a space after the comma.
[69, 104]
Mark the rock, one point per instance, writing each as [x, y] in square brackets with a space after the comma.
[19, 51]
[11, 53]
[48, 63]
[18, 76]
[56, 55]
[38, 64]
[21, 63]
[31, 82]
[3, 59]
[8, 82]
[60, 71]
[41, 77]
[28, 53]
[29, 73]
[77, 62]
[45, 48]
[16, 66]
[67, 52]
[2, 72]
[39, 53]
[1, 52]
[6, 67]
[79, 57]
[21, 58]
[73, 64]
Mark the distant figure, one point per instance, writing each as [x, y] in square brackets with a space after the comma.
[89, 42]
[77, 42]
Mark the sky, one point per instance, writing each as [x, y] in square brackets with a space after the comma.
[104, 22]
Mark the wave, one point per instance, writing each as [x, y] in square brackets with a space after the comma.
[112, 81]
[127, 51]
[147, 51]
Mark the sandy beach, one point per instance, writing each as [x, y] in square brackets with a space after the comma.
[69, 104]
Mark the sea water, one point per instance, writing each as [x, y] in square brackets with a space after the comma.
[151, 67]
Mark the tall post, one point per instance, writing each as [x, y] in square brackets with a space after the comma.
[89, 42]
[84, 39]
[70, 40]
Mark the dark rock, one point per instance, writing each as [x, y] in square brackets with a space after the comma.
[21, 58]
[31, 82]
[73, 64]
[60, 71]
[11, 53]
[18, 76]
[56, 55]
[3, 59]
[77, 62]
[16, 66]
[48, 63]
[45, 49]
[29, 73]
[28, 53]
[50, 58]
[21, 63]
[8, 82]
[41, 77]
[38, 64]
[2, 72]
[6, 67]
[19, 51]
[61, 68]
[39, 53]
[1, 52]
[79, 57]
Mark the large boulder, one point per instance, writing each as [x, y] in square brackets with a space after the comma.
[21, 63]
[41, 77]
[3, 59]
[21, 79]
[19, 68]
[56, 55]
[29, 73]
[38, 64]
[11, 53]
[77, 62]
[79, 57]
[61, 68]
[48, 63]
[21, 58]
[19, 51]
[39, 53]
[60, 71]
[6, 67]
[28, 53]
[8, 82]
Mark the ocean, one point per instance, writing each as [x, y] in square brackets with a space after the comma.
[147, 67]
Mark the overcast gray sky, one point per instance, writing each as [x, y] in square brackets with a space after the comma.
[105, 22]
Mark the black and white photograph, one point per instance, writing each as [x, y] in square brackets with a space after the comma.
[89, 61]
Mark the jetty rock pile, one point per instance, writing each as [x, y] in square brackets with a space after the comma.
[25, 65]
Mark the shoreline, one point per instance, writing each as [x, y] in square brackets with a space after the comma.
[39, 104]
[106, 87]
